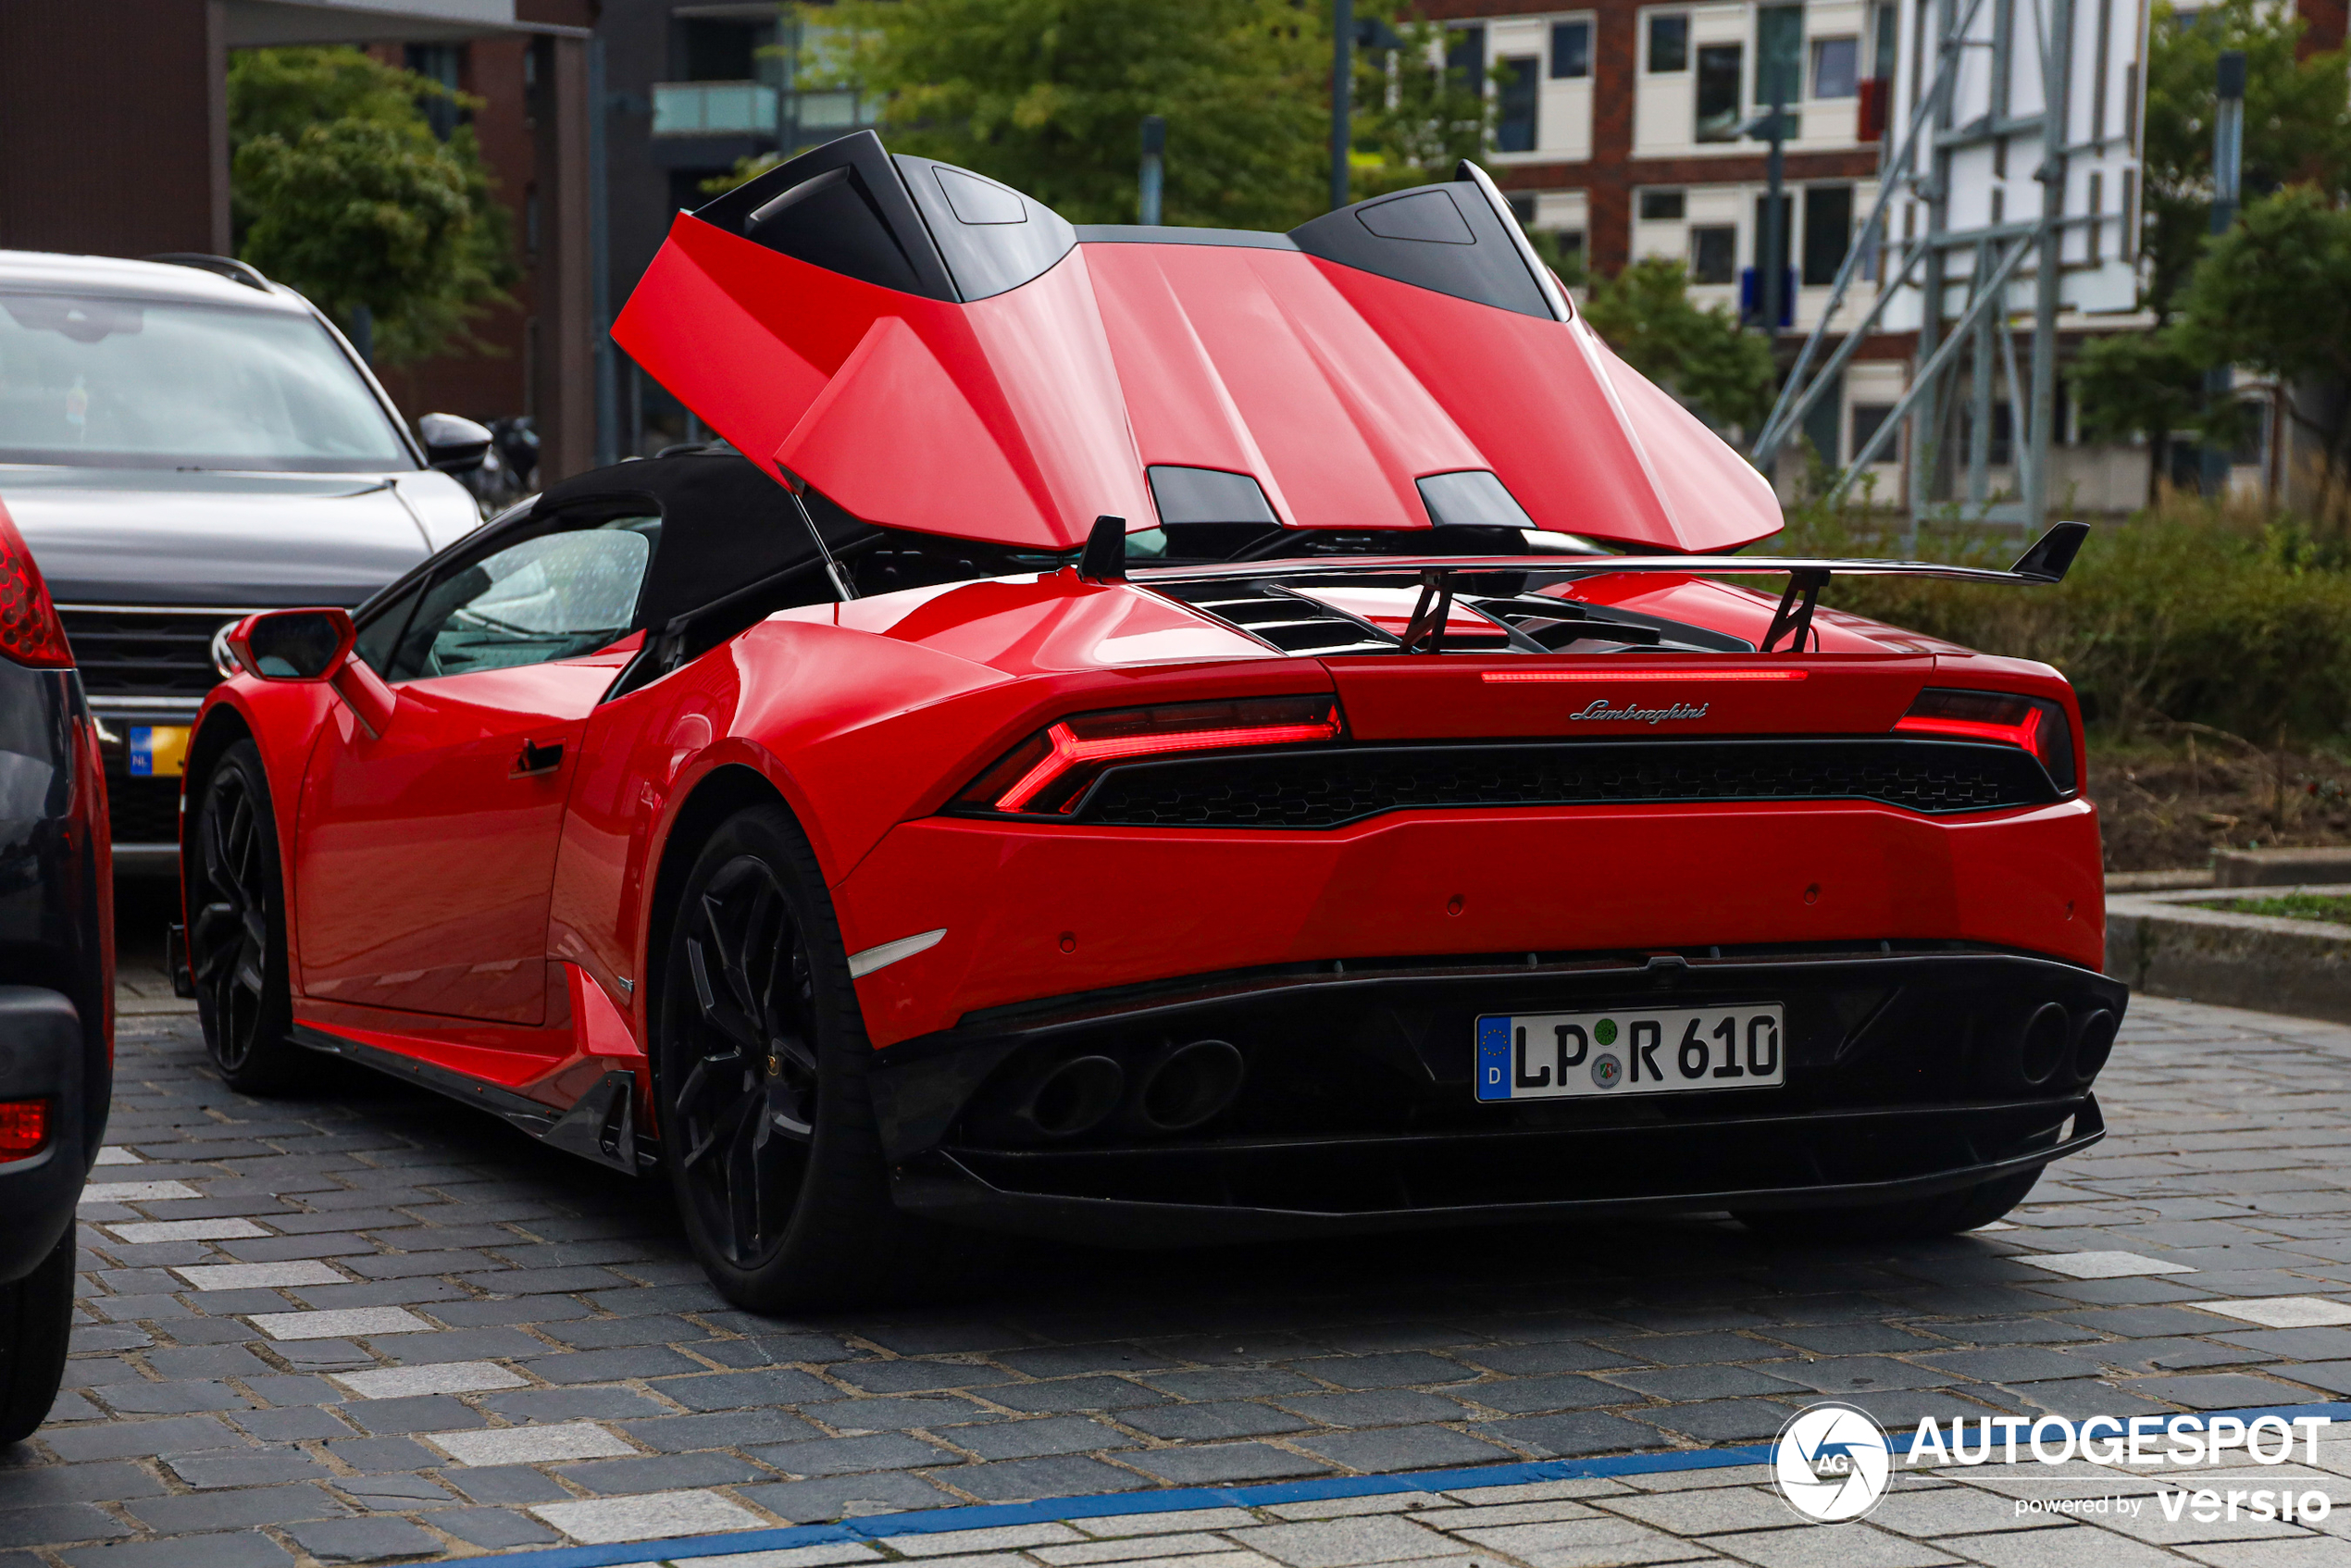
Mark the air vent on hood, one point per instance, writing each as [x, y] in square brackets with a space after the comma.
[1289, 621]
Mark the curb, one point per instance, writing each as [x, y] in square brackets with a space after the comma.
[2159, 943]
[983, 1516]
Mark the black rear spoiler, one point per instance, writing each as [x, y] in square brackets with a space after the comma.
[2047, 562]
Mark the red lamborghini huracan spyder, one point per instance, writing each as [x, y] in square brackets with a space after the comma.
[1139, 735]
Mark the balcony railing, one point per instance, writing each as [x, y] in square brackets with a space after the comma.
[713, 108]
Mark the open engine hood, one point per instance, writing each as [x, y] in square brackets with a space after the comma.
[937, 352]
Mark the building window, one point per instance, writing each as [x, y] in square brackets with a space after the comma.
[1868, 419]
[1522, 204]
[1669, 41]
[1779, 54]
[1837, 64]
[1883, 39]
[1571, 50]
[1719, 69]
[1828, 230]
[1660, 207]
[1715, 252]
[445, 64]
[1465, 57]
[718, 50]
[1516, 102]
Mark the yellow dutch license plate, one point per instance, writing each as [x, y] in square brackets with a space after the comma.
[158, 750]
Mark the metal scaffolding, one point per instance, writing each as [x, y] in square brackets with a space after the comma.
[1965, 281]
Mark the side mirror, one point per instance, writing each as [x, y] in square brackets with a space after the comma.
[292, 645]
[312, 645]
[452, 444]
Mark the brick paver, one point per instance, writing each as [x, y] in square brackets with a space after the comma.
[370, 1326]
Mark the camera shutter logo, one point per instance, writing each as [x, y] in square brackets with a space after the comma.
[1832, 1463]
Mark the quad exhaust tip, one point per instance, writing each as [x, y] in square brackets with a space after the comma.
[2056, 1048]
[1174, 1089]
[1188, 1085]
[1076, 1096]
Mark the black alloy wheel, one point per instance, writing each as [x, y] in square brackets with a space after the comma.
[745, 1112]
[766, 1117]
[237, 928]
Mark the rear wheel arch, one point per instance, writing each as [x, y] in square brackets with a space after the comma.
[716, 796]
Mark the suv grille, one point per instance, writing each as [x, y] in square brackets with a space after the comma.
[1324, 788]
[143, 811]
[127, 652]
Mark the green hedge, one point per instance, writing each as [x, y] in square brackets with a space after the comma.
[2185, 614]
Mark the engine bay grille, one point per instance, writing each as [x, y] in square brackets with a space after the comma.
[1493, 613]
[1327, 786]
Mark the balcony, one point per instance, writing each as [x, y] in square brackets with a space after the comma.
[713, 108]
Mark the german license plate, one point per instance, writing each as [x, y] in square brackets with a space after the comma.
[158, 750]
[1657, 1050]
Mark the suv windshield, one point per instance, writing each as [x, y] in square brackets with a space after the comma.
[102, 381]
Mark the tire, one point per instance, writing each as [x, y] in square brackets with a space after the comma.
[1945, 1214]
[760, 1063]
[237, 930]
[36, 1316]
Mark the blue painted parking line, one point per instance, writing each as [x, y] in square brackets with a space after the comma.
[987, 1516]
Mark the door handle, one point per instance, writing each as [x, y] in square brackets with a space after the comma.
[536, 758]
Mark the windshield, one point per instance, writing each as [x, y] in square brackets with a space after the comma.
[101, 381]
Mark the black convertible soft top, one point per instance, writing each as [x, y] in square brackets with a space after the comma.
[726, 526]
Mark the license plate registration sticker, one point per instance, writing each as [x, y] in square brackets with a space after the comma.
[1659, 1050]
[158, 750]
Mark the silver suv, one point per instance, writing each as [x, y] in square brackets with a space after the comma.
[183, 442]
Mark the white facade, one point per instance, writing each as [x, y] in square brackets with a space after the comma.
[1703, 74]
[1992, 140]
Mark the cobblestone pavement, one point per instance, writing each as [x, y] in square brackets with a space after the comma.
[370, 1326]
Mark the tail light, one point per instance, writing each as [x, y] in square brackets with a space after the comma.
[2034, 722]
[30, 631]
[1045, 774]
[24, 1128]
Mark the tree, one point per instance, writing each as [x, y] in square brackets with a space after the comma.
[1048, 95]
[1645, 314]
[2274, 294]
[2138, 385]
[2297, 124]
[1416, 114]
[338, 188]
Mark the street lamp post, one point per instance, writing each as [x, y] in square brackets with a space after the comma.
[1770, 270]
[1342, 96]
[2228, 159]
[1154, 172]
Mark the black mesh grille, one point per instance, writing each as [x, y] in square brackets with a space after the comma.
[143, 811]
[1326, 786]
[143, 652]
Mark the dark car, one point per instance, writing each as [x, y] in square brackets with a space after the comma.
[57, 981]
[183, 442]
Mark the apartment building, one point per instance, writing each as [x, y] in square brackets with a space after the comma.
[1630, 130]
[696, 86]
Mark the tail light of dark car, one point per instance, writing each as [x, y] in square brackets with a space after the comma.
[2036, 724]
[30, 631]
[1045, 774]
[24, 1128]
